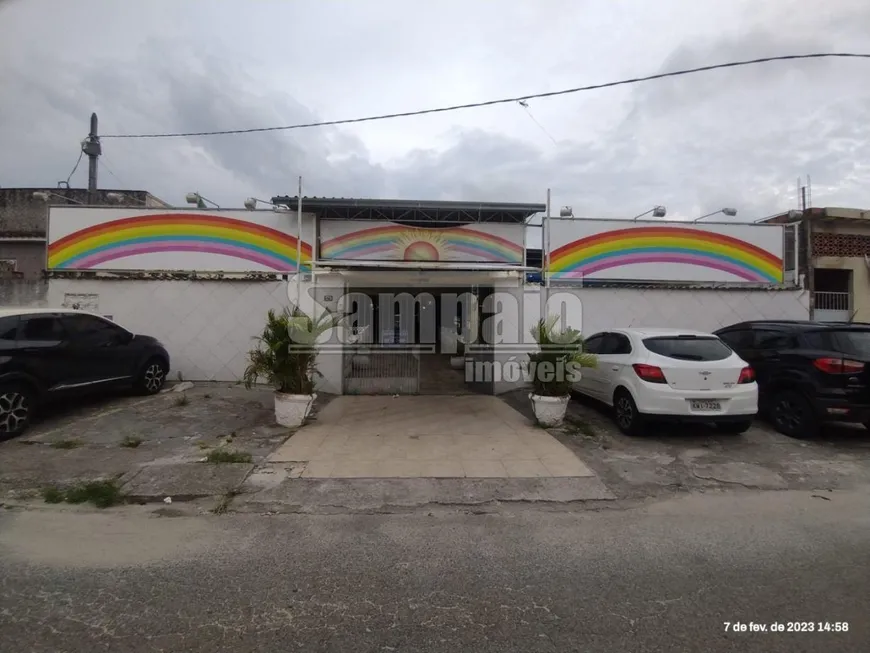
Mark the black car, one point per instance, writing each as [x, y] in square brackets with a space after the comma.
[808, 373]
[51, 354]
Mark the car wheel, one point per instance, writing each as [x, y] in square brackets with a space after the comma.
[152, 377]
[792, 414]
[16, 407]
[625, 413]
[735, 427]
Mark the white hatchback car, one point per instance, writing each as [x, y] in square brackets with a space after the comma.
[648, 374]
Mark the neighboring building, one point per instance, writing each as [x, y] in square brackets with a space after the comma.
[838, 271]
[24, 218]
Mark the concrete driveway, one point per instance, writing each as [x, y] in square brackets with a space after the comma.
[684, 458]
[472, 436]
[156, 446]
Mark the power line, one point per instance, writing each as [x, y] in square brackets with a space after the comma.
[525, 105]
[489, 103]
[109, 170]
[75, 167]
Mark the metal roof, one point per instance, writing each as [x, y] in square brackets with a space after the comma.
[412, 211]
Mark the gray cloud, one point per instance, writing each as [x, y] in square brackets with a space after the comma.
[728, 138]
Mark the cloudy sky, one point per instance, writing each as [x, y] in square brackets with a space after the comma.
[738, 137]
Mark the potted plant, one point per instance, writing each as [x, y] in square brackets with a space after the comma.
[286, 358]
[553, 369]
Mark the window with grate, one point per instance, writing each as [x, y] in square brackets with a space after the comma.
[845, 245]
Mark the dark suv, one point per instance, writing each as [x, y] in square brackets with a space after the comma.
[807, 372]
[49, 354]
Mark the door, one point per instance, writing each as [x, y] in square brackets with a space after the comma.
[101, 347]
[767, 353]
[483, 373]
[590, 377]
[43, 348]
[615, 356]
[8, 344]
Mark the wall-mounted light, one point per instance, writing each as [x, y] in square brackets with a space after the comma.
[251, 205]
[657, 212]
[793, 214]
[45, 196]
[199, 200]
[566, 212]
[726, 211]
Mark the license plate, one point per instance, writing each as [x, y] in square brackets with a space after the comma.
[705, 405]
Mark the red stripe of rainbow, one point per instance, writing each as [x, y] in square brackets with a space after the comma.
[375, 241]
[177, 232]
[665, 244]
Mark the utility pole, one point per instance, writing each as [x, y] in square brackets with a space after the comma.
[91, 147]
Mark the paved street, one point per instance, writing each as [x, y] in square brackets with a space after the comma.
[661, 577]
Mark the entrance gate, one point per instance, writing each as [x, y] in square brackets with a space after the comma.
[403, 359]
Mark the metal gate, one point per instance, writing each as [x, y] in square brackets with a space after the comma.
[382, 371]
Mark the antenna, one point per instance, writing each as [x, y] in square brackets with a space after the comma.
[809, 192]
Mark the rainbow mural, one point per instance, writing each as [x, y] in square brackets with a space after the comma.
[664, 244]
[177, 232]
[400, 243]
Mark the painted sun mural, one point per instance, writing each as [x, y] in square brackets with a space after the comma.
[422, 245]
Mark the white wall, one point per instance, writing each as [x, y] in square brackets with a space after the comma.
[207, 326]
[704, 310]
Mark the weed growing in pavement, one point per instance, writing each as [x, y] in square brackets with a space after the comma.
[66, 444]
[203, 445]
[182, 399]
[224, 456]
[582, 426]
[131, 442]
[53, 494]
[102, 494]
[224, 504]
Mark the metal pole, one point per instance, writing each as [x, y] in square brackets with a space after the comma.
[91, 148]
[299, 246]
[796, 253]
[547, 245]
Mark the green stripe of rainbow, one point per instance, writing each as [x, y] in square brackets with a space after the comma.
[375, 241]
[177, 232]
[665, 244]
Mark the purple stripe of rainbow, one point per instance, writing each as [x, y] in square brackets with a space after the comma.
[630, 259]
[272, 262]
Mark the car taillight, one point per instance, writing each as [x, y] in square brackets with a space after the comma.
[747, 375]
[838, 366]
[649, 373]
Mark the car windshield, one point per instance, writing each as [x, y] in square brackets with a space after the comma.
[688, 348]
[853, 342]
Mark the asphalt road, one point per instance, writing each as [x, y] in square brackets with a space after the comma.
[665, 577]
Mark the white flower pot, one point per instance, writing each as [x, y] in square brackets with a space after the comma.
[549, 411]
[291, 410]
[457, 362]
